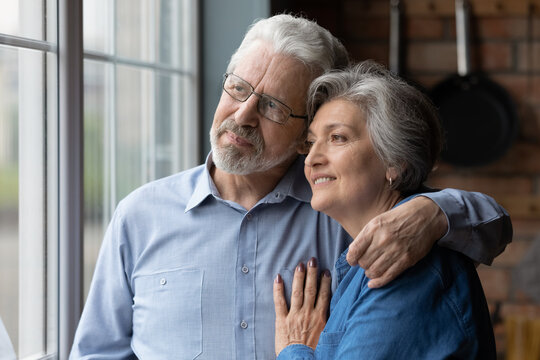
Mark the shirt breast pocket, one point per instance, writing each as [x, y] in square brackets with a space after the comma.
[167, 314]
[328, 344]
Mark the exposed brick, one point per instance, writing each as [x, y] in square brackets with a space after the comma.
[517, 309]
[367, 28]
[529, 117]
[371, 8]
[526, 229]
[501, 27]
[361, 51]
[424, 28]
[522, 158]
[528, 56]
[432, 57]
[513, 254]
[521, 207]
[493, 186]
[492, 56]
[495, 282]
[522, 87]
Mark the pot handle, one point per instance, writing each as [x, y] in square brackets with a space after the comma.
[395, 41]
[463, 38]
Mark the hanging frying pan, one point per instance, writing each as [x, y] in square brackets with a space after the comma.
[478, 116]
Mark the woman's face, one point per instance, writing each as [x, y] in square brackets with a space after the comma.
[342, 168]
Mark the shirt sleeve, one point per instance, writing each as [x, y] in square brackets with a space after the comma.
[478, 227]
[105, 327]
[296, 352]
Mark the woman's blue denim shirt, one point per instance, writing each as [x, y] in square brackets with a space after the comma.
[434, 310]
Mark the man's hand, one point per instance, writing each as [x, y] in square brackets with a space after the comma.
[397, 239]
[304, 322]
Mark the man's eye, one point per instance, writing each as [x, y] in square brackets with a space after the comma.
[239, 89]
[271, 104]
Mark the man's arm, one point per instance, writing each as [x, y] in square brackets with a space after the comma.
[105, 327]
[468, 222]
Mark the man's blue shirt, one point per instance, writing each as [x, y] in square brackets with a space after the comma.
[183, 273]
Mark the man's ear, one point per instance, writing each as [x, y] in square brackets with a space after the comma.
[302, 147]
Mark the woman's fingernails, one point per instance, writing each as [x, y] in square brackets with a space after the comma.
[327, 273]
[312, 262]
[278, 279]
[301, 267]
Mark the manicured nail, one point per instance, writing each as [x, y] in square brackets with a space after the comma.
[312, 262]
[327, 273]
[301, 267]
[278, 279]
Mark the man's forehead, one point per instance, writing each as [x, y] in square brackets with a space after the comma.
[262, 66]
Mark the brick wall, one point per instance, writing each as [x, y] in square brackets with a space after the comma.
[506, 45]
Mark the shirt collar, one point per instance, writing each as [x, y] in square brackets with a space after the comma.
[293, 184]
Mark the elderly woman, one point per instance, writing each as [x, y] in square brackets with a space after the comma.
[372, 143]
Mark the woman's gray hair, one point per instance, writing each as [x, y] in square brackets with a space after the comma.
[300, 38]
[402, 122]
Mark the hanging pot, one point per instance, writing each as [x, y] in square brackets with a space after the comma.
[478, 116]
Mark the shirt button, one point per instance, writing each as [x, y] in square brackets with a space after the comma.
[243, 324]
[162, 281]
[245, 269]
[249, 216]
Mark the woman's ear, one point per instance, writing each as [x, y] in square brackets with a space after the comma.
[391, 174]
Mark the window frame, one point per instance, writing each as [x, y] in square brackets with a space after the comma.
[64, 222]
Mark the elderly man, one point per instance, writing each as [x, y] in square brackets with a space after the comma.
[187, 263]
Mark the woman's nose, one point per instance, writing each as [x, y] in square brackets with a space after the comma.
[315, 155]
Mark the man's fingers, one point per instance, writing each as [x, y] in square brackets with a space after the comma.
[389, 275]
[323, 299]
[378, 267]
[310, 290]
[280, 304]
[297, 294]
[359, 246]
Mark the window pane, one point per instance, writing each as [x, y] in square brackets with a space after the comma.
[98, 25]
[23, 18]
[9, 190]
[23, 240]
[97, 104]
[153, 31]
[133, 96]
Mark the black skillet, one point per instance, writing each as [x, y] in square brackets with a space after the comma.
[478, 116]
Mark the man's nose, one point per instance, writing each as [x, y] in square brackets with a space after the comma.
[247, 113]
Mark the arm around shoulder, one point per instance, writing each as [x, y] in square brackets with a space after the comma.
[477, 226]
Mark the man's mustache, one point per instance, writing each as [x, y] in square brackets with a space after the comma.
[251, 134]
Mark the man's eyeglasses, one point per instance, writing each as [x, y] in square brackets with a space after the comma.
[269, 107]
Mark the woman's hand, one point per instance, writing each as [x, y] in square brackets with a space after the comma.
[306, 319]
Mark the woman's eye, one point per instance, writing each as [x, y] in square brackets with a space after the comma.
[337, 138]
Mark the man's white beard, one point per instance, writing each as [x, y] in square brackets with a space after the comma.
[232, 160]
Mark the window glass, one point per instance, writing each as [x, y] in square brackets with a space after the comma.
[23, 18]
[137, 125]
[97, 104]
[9, 191]
[97, 25]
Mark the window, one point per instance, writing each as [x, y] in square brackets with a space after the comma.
[140, 122]
[140, 112]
